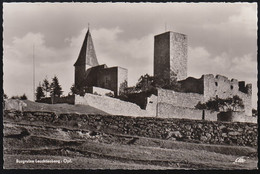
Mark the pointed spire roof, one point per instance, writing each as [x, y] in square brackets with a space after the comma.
[87, 55]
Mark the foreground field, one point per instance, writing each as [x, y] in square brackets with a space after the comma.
[51, 143]
[85, 149]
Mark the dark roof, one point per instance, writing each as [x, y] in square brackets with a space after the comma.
[87, 53]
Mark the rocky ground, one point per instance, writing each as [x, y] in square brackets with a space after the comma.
[28, 145]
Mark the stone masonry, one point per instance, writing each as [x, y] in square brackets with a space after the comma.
[170, 55]
[88, 73]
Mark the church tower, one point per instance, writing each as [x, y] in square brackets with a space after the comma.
[170, 55]
[87, 58]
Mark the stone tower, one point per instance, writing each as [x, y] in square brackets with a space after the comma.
[170, 55]
[87, 58]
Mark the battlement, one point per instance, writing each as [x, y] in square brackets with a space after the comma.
[245, 88]
[223, 82]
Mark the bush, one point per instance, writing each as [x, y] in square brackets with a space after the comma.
[218, 104]
[23, 97]
[110, 94]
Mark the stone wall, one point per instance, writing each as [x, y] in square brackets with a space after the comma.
[192, 84]
[113, 106]
[101, 91]
[170, 55]
[14, 104]
[113, 78]
[199, 131]
[222, 87]
[189, 100]
[107, 78]
[236, 117]
[170, 111]
[122, 78]
[156, 107]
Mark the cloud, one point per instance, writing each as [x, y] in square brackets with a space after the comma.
[244, 68]
[18, 64]
[247, 18]
[219, 34]
[134, 54]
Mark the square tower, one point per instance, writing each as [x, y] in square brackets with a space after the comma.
[170, 55]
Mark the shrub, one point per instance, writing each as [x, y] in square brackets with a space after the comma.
[218, 104]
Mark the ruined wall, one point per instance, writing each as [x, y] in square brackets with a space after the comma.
[114, 78]
[107, 78]
[170, 55]
[192, 85]
[112, 105]
[199, 131]
[222, 87]
[122, 79]
[92, 75]
[189, 100]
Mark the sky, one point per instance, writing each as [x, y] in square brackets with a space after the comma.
[222, 39]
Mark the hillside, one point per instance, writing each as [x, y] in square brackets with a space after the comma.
[61, 108]
[30, 138]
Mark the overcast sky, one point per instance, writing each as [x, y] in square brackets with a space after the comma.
[222, 39]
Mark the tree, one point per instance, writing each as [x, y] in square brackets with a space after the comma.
[168, 83]
[46, 86]
[218, 104]
[39, 92]
[23, 97]
[254, 112]
[5, 96]
[147, 82]
[55, 88]
[79, 91]
[15, 97]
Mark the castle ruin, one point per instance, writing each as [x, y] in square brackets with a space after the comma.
[170, 58]
[170, 61]
[89, 74]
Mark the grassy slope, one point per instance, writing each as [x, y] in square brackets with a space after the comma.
[62, 108]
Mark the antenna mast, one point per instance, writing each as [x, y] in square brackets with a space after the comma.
[33, 75]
